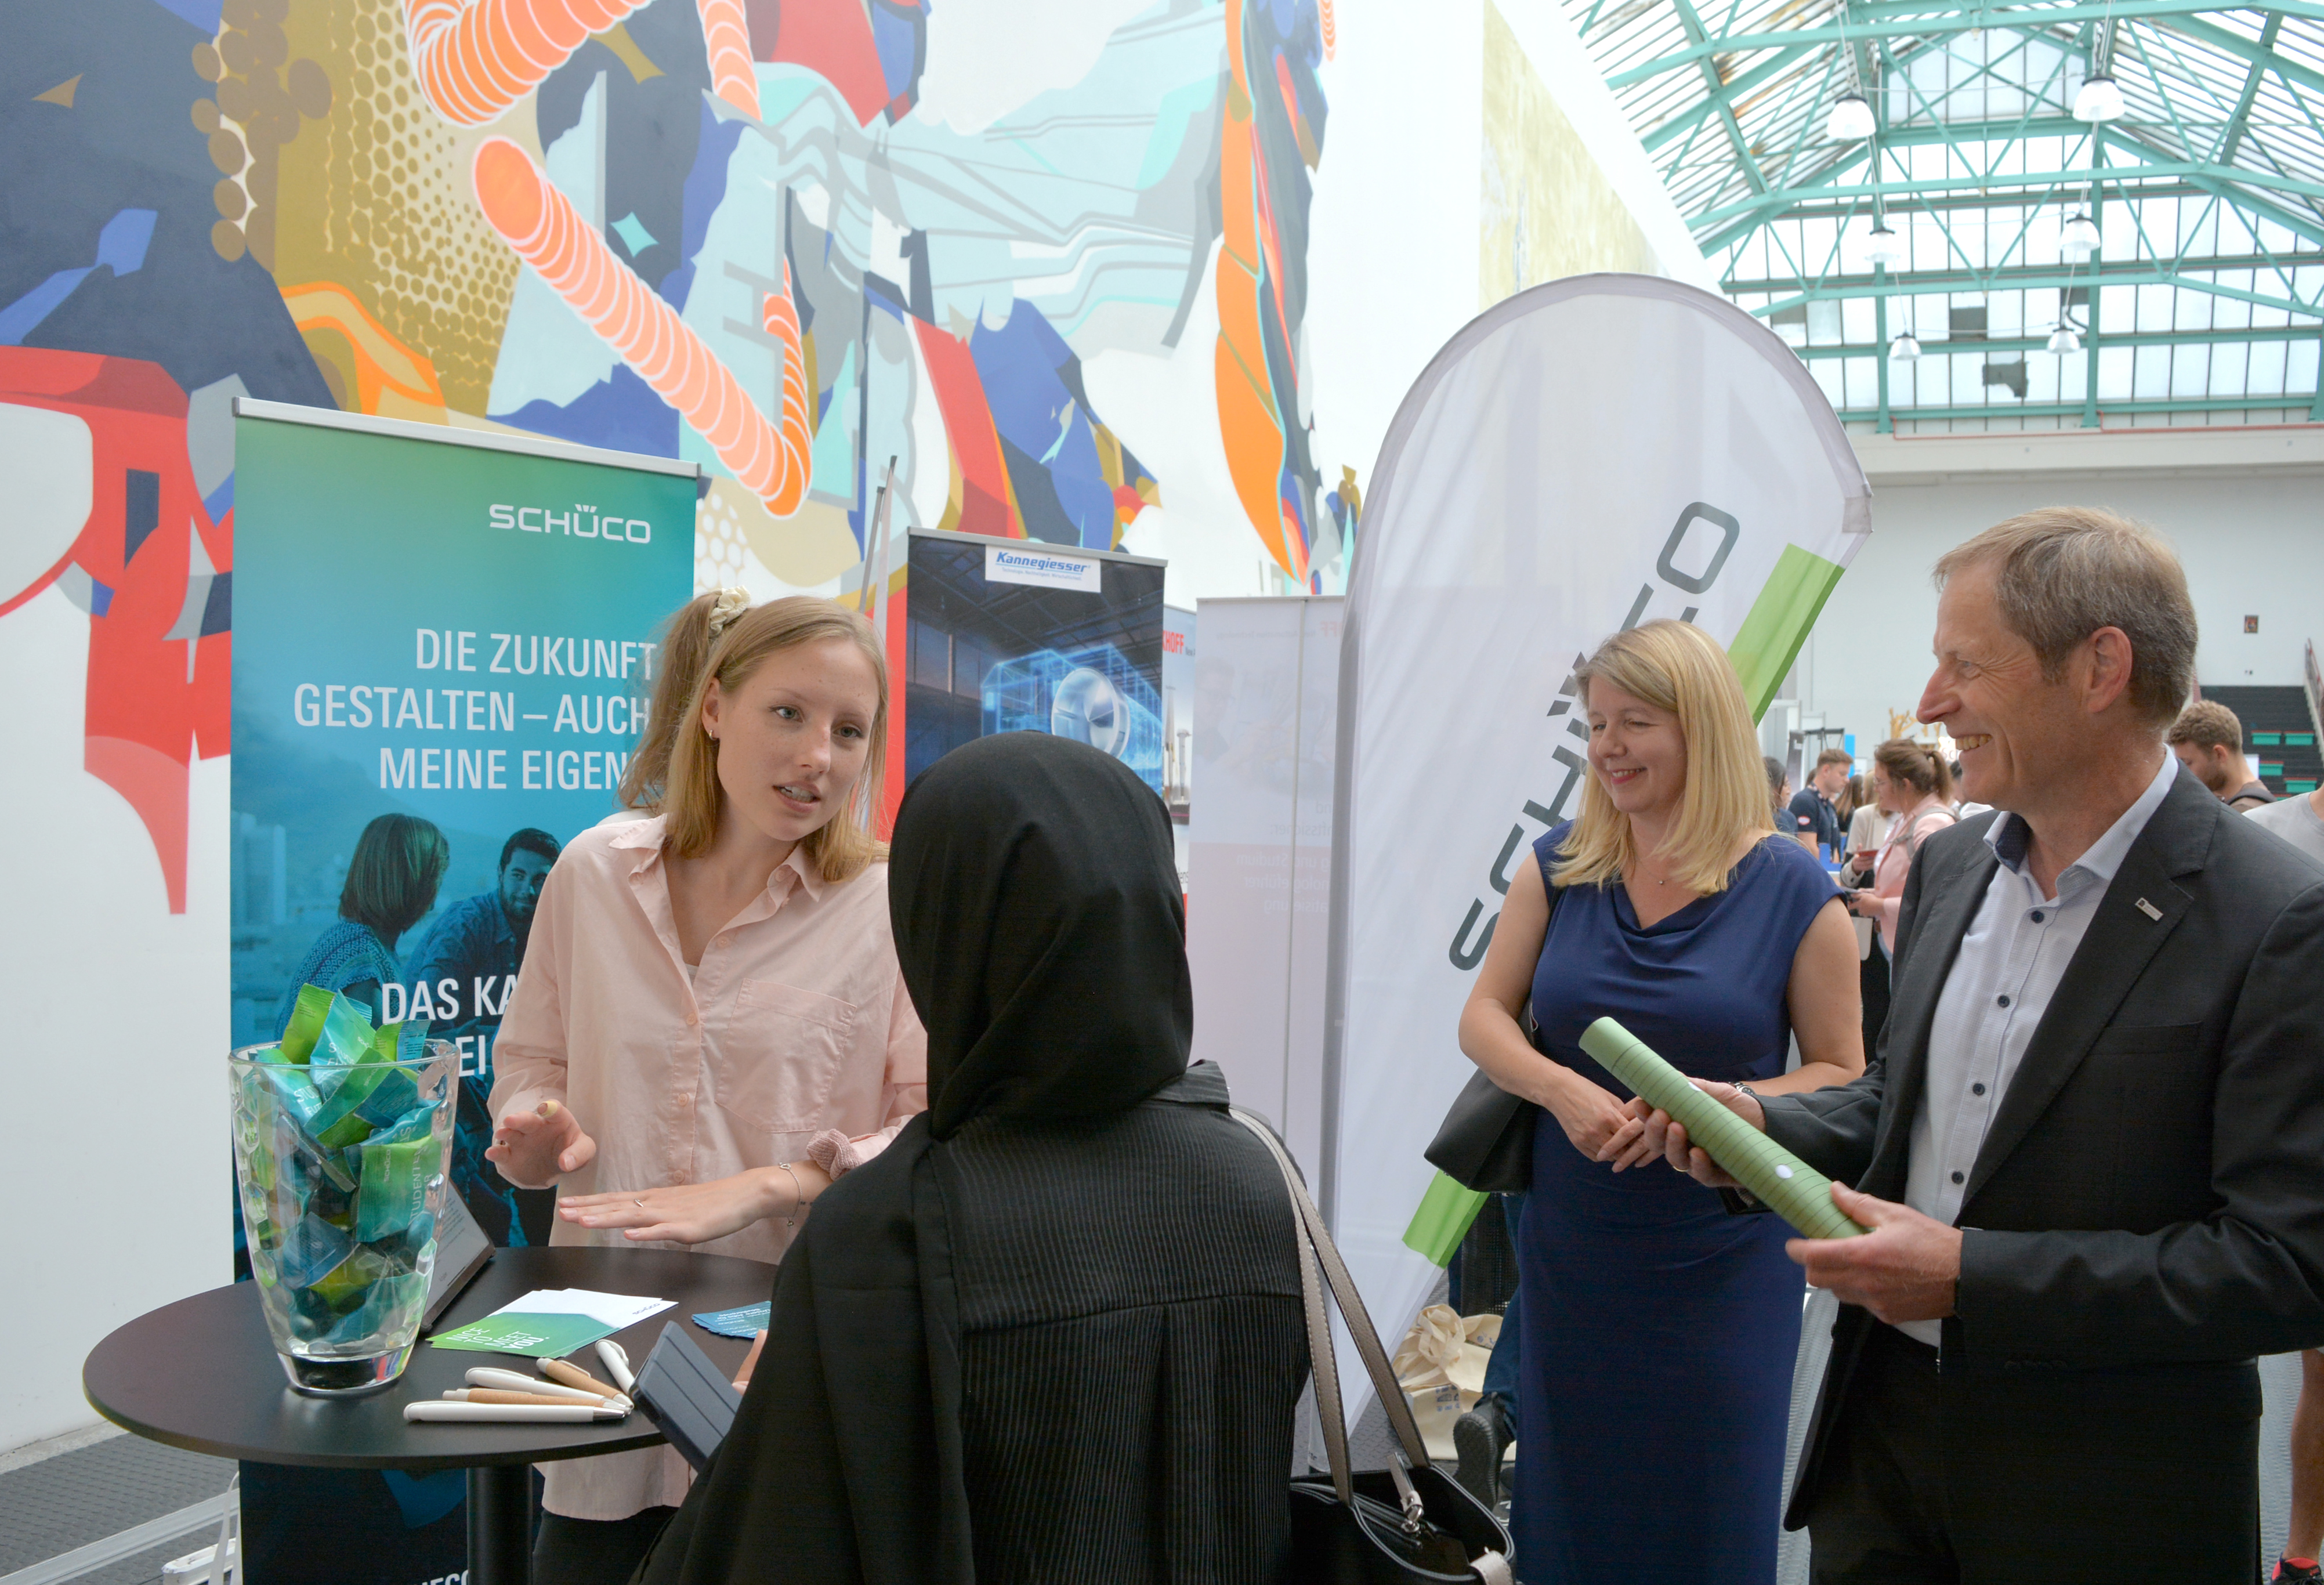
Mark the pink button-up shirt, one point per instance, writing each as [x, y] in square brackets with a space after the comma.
[794, 1033]
[1895, 867]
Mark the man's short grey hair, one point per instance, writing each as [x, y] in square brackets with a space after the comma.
[2064, 572]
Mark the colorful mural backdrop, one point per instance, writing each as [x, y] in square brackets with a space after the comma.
[938, 255]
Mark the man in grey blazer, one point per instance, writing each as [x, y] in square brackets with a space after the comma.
[2090, 1144]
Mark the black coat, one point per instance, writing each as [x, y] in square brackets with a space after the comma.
[2147, 1212]
[1053, 1332]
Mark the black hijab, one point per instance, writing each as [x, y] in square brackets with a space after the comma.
[1040, 930]
[1041, 933]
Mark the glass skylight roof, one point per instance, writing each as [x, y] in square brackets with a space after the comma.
[2201, 303]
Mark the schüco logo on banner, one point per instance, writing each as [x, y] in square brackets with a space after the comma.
[1468, 948]
[580, 522]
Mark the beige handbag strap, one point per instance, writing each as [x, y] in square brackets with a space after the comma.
[1317, 1248]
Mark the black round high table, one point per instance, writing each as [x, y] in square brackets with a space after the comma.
[202, 1374]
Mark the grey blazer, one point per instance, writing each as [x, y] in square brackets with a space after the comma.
[2147, 1212]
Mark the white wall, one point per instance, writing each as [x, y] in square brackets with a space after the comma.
[117, 1177]
[2245, 513]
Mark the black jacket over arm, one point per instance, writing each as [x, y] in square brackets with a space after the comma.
[2151, 1193]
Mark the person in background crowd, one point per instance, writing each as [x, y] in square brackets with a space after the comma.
[1815, 808]
[710, 1027]
[1868, 821]
[1914, 789]
[1715, 941]
[462, 974]
[1779, 794]
[2086, 1152]
[2300, 821]
[2209, 741]
[392, 880]
[1054, 1332]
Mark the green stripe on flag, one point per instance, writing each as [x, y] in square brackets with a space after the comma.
[1770, 638]
[1443, 1219]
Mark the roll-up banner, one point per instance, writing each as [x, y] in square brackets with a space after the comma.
[456, 630]
[445, 643]
[1584, 457]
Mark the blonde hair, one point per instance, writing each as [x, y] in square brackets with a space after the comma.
[686, 641]
[1676, 666]
[842, 845]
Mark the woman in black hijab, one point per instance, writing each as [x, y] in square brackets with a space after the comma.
[1053, 1332]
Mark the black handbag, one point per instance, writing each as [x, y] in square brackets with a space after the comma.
[1407, 1524]
[1485, 1142]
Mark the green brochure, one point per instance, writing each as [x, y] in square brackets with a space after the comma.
[515, 1331]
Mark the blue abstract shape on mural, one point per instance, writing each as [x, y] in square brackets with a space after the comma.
[120, 248]
[622, 412]
[704, 190]
[1032, 380]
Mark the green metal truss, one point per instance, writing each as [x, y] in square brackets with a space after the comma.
[2209, 192]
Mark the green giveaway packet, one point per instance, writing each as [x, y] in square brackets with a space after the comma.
[1795, 1191]
[394, 1187]
[306, 1025]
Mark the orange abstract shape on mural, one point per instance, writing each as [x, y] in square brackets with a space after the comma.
[726, 32]
[474, 62]
[391, 380]
[540, 224]
[780, 316]
[1250, 427]
[1331, 32]
[982, 501]
[153, 702]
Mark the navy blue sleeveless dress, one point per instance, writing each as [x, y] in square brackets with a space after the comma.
[1659, 1331]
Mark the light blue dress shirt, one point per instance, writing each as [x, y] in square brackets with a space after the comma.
[2010, 962]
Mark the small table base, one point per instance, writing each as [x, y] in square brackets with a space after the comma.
[499, 1524]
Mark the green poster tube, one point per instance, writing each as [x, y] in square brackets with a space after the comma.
[1789, 1186]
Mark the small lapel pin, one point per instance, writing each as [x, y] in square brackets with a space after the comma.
[2149, 909]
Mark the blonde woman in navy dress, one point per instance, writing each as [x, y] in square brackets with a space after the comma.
[1658, 1331]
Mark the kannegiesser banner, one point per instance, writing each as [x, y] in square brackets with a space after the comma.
[1584, 457]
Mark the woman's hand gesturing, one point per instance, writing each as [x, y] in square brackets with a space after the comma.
[681, 1214]
[533, 1149]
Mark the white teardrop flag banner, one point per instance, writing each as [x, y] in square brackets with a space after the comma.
[1584, 457]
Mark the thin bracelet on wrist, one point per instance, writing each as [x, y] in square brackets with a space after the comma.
[798, 1197]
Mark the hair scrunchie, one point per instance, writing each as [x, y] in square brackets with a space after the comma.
[731, 603]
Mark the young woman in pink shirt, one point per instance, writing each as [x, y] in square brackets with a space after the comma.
[710, 1025]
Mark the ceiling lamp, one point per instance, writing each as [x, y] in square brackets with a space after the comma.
[1884, 246]
[2079, 234]
[1904, 348]
[1851, 118]
[2063, 339]
[2100, 99]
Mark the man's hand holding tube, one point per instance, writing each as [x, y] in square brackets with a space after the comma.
[1907, 1268]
